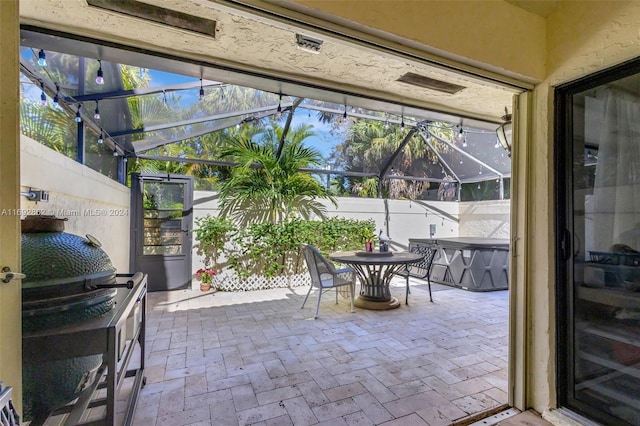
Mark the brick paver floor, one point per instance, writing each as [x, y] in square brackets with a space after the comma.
[256, 358]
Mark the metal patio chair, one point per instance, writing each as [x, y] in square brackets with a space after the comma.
[324, 276]
[420, 269]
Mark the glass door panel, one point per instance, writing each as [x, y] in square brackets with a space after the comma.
[599, 297]
[163, 210]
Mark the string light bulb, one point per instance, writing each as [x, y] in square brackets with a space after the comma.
[344, 114]
[43, 96]
[115, 152]
[96, 113]
[402, 124]
[99, 74]
[464, 141]
[279, 110]
[56, 97]
[164, 98]
[386, 123]
[78, 118]
[460, 134]
[42, 58]
[201, 90]
[101, 137]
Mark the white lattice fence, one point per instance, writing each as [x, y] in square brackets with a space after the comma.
[231, 282]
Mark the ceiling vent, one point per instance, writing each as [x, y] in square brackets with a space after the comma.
[308, 43]
[158, 14]
[430, 83]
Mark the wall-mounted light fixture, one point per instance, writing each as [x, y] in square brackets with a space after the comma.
[504, 132]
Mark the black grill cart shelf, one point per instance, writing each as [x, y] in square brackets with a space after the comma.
[119, 336]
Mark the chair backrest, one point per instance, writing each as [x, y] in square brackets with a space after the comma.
[422, 268]
[316, 263]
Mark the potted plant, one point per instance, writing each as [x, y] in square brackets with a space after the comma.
[368, 237]
[205, 275]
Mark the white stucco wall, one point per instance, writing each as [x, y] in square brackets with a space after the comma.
[487, 219]
[93, 203]
[407, 219]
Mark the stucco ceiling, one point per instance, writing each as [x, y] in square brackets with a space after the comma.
[262, 53]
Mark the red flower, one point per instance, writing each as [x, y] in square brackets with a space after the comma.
[206, 274]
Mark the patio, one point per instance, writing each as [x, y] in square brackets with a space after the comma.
[256, 358]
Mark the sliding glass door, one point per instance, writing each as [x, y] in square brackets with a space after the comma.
[598, 245]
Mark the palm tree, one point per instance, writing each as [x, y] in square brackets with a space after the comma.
[267, 188]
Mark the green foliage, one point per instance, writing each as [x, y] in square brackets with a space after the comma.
[273, 249]
[266, 184]
[212, 233]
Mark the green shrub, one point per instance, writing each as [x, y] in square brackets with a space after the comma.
[274, 249]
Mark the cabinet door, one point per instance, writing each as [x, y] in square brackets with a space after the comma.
[598, 244]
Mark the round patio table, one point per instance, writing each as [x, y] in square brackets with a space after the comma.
[375, 270]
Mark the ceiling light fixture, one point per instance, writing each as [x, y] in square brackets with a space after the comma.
[78, 118]
[504, 132]
[201, 90]
[43, 96]
[96, 113]
[99, 74]
[42, 58]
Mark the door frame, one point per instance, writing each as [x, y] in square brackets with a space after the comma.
[10, 237]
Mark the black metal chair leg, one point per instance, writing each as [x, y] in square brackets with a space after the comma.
[406, 296]
[429, 283]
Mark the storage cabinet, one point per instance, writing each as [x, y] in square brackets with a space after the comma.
[119, 336]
